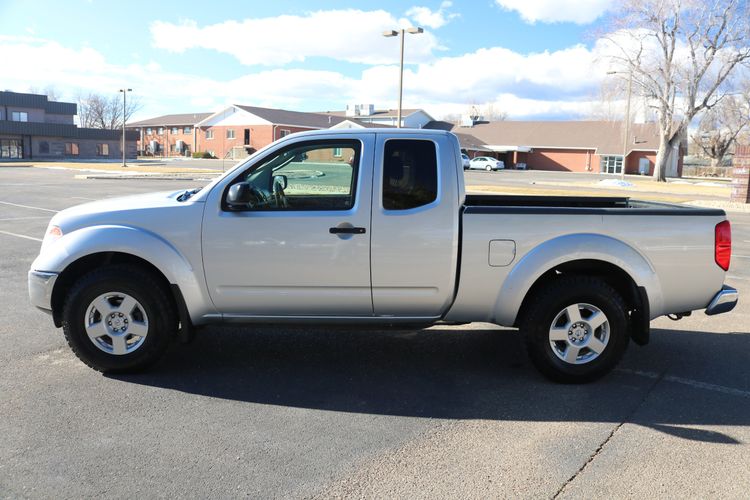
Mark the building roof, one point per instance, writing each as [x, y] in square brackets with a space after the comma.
[37, 101]
[169, 120]
[469, 142]
[378, 113]
[605, 137]
[63, 130]
[294, 118]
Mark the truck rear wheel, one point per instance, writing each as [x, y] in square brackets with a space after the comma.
[118, 319]
[576, 329]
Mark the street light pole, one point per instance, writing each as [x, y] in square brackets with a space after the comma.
[124, 98]
[402, 32]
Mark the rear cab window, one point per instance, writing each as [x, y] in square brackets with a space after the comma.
[410, 174]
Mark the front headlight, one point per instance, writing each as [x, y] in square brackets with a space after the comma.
[53, 234]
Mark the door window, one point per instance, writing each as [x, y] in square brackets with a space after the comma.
[409, 174]
[315, 175]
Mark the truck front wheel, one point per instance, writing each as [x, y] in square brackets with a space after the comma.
[576, 329]
[118, 319]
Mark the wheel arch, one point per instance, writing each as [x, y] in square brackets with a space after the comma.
[83, 250]
[79, 267]
[616, 262]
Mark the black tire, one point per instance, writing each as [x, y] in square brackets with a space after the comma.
[139, 284]
[546, 306]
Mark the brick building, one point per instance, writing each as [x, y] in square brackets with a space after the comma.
[232, 132]
[168, 135]
[573, 146]
[238, 130]
[33, 127]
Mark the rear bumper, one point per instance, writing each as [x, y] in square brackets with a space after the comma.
[723, 301]
[40, 288]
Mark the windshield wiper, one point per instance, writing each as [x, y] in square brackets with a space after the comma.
[187, 194]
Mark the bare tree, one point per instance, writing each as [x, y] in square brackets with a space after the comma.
[720, 126]
[101, 111]
[491, 113]
[50, 91]
[680, 54]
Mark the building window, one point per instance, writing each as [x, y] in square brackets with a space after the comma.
[611, 164]
[175, 131]
[230, 133]
[186, 130]
[149, 131]
[44, 148]
[209, 134]
[19, 116]
[161, 131]
[102, 149]
[71, 148]
[283, 132]
[11, 148]
[337, 152]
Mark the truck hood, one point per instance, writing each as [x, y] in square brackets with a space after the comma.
[129, 210]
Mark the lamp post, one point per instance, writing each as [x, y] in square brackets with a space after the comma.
[124, 98]
[402, 32]
[627, 119]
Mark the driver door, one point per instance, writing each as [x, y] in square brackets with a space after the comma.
[300, 245]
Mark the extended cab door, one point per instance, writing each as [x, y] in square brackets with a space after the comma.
[300, 245]
[415, 224]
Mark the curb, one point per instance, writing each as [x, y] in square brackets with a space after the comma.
[156, 177]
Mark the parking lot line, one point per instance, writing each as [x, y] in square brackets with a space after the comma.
[25, 218]
[20, 236]
[741, 256]
[686, 381]
[28, 206]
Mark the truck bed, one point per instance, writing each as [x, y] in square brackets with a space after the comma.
[510, 204]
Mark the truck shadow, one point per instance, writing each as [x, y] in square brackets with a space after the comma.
[457, 373]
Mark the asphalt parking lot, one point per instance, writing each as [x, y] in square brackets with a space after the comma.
[292, 412]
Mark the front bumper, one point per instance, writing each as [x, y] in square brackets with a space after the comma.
[41, 284]
[723, 301]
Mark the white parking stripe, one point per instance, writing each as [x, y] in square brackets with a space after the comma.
[737, 278]
[692, 383]
[741, 256]
[25, 218]
[21, 236]
[82, 198]
[28, 206]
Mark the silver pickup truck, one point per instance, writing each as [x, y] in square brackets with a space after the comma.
[373, 228]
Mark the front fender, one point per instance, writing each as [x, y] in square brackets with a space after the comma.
[134, 241]
[572, 247]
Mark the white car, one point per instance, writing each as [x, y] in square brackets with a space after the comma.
[486, 163]
[465, 160]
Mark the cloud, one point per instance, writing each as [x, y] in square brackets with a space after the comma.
[557, 11]
[546, 84]
[347, 35]
[432, 19]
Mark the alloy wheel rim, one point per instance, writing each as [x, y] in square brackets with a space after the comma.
[116, 323]
[579, 333]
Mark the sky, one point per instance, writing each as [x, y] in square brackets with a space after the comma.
[531, 59]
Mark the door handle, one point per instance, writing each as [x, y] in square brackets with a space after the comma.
[347, 230]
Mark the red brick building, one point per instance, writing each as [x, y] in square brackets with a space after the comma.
[168, 135]
[233, 132]
[573, 146]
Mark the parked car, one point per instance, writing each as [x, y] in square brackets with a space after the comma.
[465, 160]
[486, 163]
[392, 239]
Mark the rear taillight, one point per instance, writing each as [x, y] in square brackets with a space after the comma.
[723, 244]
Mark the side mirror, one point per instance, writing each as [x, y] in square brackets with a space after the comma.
[239, 195]
[280, 180]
